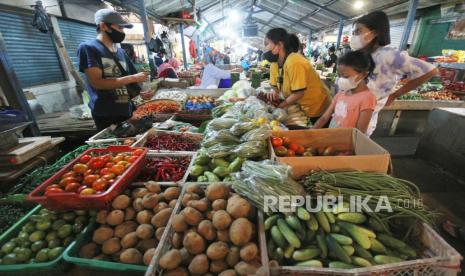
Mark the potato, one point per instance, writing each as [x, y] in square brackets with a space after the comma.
[121, 202]
[171, 193]
[194, 243]
[148, 255]
[89, 251]
[180, 271]
[194, 189]
[217, 191]
[192, 216]
[209, 215]
[131, 256]
[217, 250]
[160, 206]
[229, 272]
[139, 192]
[115, 217]
[178, 223]
[149, 201]
[137, 205]
[176, 240]
[249, 252]
[144, 216]
[153, 187]
[159, 233]
[147, 244]
[111, 246]
[173, 203]
[223, 235]
[199, 264]
[102, 216]
[240, 231]
[233, 256]
[144, 231]
[219, 204]
[188, 197]
[129, 214]
[221, 220]
[130, 240]
[238, 207]
[218, 266]
[161, 218]
[102, 234]
[243, 268]
[186, 257]
[201, 205]
[125, 228]
[171, 259]
[206, 230]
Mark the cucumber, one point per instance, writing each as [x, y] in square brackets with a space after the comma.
[349, 249]
[294, 222]
[362, 252]
[301, 235]
[360, 261]
[383, 259]
[278, 237]
[290, 236]
[312, 224]
[331, 217]
[391, 241]
[288, 251]
[376, 225]
[320, 240]
[305, 254]
[211, 177]
[341, 208]
[340, 265]
[303, 214]
[408, 251]
[377, 247]
[310, 235]
[367, 232]
[342, 240]
[338, 251]
[323, 221]
[270, 221]
[356, 233]
[335, 228]
[271, 247]
[310, 263]
[357, 218]
[279, 254]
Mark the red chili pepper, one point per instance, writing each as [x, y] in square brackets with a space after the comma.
[172, 142]
[165, 169]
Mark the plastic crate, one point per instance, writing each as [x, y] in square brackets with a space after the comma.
[98, 139]
[55, 267]
[74, 201]
[141, 142]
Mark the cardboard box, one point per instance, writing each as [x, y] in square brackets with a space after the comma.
[369, 156]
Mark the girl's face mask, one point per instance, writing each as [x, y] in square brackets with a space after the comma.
[347, 84]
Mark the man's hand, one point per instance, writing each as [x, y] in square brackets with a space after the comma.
[273, 96]
[147, 95]
[139, 77]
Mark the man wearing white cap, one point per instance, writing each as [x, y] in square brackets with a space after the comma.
[111, 78]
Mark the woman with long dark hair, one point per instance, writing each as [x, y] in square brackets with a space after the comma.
[295, 80]
[371, 35]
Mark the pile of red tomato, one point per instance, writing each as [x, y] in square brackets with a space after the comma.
[284, 147]
[94, 174]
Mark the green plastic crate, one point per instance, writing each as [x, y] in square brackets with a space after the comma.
[57, 266]
[71, 255]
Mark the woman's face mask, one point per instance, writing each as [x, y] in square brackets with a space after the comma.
[360, 40]
[270, 57]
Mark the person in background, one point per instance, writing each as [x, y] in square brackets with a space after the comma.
[296, 80]
[100, 60]
[332, 60]
[219, 59]
[159, 57]
[212, 75]
[226, 59]
[168, 69]
[353, 106]
[244, 63]
[372, 35]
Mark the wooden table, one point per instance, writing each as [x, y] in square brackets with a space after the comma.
[62, 123]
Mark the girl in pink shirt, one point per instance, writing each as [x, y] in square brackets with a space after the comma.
[353, 106]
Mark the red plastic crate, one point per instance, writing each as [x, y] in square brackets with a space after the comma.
[74, 201]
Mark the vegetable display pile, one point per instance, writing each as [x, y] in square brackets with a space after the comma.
[200, 102]
[10, 214]
[296, 117]
[284, 147]
[94, 174]
[130, 231]
[153, 108]
[44, 237]
[172, 142]
[173, 95]
[165, 169]
[213, 233]
[440, 96]
[456, 86]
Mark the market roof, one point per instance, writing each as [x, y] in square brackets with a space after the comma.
[298, 16]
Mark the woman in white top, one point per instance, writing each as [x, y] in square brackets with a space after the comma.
[371, 34]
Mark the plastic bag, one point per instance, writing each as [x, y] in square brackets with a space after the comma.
[252, 149]
[223, 136]
[259, 134]
[219, 150]
[240, 128]
[279, 114]
[221, 123]
[221, 110]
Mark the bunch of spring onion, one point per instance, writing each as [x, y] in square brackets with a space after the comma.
[375, 186]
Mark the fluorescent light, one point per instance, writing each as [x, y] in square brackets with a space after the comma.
[358, 5]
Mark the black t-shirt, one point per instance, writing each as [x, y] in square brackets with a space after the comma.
[106, 103]
[332, 60]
